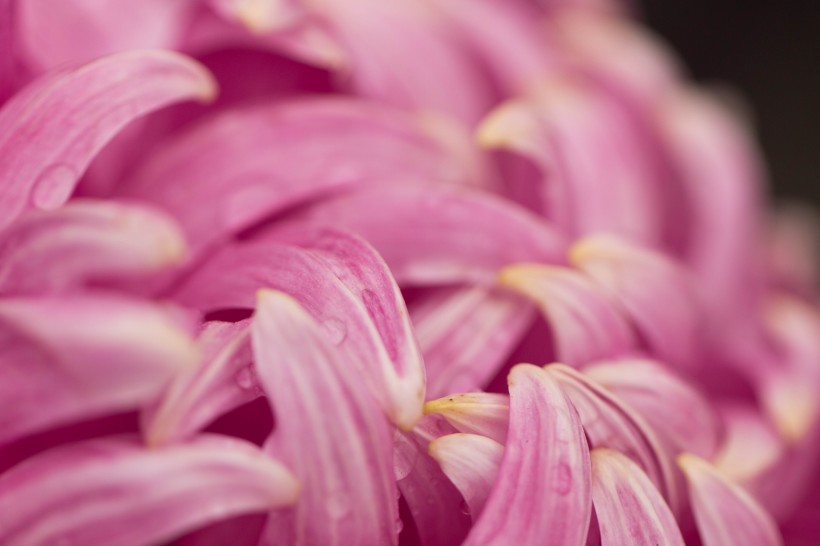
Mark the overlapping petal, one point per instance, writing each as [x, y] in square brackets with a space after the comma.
[114, 491]
[50, 131]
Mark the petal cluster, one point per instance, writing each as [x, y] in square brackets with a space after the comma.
[417, 273]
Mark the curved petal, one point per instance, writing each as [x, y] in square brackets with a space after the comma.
[86, 241]
[51, 130]
[483, 413]
[223, 381]
[561, 129]
[657, 294]
[608, 422]
[466, 334]
[255, 161]
[542, 493]
[585, 324]
[437, 235]
[435, 504]
[333, 435]
[628, 507]
[679, 414]
[114, 491]
[71, 358]
[342, 283]
[725, 514]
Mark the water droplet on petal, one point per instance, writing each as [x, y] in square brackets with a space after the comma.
[336, 330]
[246, 378]
[338, 504]
[53, 187]
[465, 508]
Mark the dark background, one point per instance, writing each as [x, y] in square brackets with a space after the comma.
[769, 51]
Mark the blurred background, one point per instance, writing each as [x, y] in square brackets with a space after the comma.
[769, 51]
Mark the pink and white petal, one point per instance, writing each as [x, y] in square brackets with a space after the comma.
[343, 284]
[471, 462]
[76, 357]
[610, 423]
[725, 514]
[224, 380]
[86, 241]
[543, 490]
[114, 491]
[629, 508]
[66, 33]
[466, 334]
[585, 324]
[483, 413]
[751, 444]
[436, 506]
[682, 417]
[719, 174]
[657, 294]
[560, 130]
[430, 234]
[51, 130]
[260, 16]
[255, 161]
[334, 437]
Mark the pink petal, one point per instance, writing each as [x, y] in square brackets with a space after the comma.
[682, 416]
[225, 380]
[114, 491]
[78, 31]
[438, 235]
[255, 161]
[334, 436]
[260, 16]
[608, 422]
[725, 514]
[585, 324]
[561, 130]
[466, 334]
[44, 147]
[628, 507]
[483, 413]
[343, 284]
[657, 294]
[79, 357]
[542, 493]
[86, 241]
[438, 509]
[471, 462]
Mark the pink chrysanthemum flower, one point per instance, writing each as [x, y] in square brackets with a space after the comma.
[370, 272]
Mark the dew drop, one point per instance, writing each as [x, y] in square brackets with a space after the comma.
[246, 379]
[336, 329]
[338, 505]
[53, 187]
[465, 508]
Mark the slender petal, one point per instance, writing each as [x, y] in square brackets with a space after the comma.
[466, 334]
[542, 493]
[471, 462]
[437, 507]
[114, 491]
[71, 358]
[682, 416]
[436, 235]
[628, 507]
[610, 423]
[725, 514]
[483, 413]
[334, 437]
[255, 161]
[560, 130]
[342, 283]
[51, 130]
[656, 293]
[86, 241]
[225, 380]
[585, 323]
